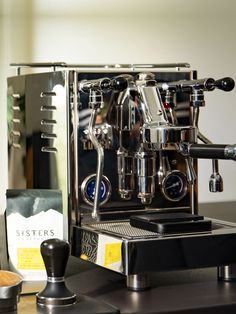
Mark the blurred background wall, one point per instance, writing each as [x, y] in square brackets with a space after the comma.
[129, 31]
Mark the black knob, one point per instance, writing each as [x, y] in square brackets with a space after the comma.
[120, 83]
[55, 255]
[226, 84]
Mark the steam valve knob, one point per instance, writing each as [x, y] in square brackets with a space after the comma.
[120, 83]
[226, 84]
[55, 255]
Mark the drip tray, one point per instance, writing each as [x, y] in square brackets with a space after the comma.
[147, 251]
[171, 223]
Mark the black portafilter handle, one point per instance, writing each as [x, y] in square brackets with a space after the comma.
[55, 254]
[226, 84]
[212, 151]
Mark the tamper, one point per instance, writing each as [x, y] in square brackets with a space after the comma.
[55, 255]
[56, 297]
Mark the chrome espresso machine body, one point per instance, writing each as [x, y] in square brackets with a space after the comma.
[121, 144]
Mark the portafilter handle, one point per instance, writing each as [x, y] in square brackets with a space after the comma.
[209, 151]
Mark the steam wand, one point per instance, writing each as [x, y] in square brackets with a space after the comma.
[95, 103]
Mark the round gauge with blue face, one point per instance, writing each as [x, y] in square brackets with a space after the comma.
[88, 189]
[174, 186]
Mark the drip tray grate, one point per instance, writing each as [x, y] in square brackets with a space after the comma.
[123, 229]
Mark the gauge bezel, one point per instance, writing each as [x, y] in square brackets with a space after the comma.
[84, 186]
[185, 187]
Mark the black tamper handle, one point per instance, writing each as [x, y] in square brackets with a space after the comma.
[226, 84]
[55, 253]
[212, 151]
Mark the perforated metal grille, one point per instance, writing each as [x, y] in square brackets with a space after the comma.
[123, 229]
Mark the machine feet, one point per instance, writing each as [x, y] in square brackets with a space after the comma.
[227, 273]
[138, 282]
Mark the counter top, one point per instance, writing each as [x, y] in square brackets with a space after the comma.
[181, 292]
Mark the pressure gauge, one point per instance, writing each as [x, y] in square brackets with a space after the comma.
[174, 186]
[88, 189]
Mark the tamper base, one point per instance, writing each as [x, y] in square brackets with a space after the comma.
[55, 294]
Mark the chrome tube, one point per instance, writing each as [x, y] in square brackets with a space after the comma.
[190, 172]
[195, 114]
[146, 171]
[164, 167]
[75, 123]
[126, 170]
[100, 163]
[125, 156]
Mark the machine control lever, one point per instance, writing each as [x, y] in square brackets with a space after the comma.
[207, 84]
[101, 84]
[105, 84]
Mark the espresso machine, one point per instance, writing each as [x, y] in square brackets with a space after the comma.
[121, 142]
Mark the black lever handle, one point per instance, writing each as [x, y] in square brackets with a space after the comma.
[208, 84]
[226, 84]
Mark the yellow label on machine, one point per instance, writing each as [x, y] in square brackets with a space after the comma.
[29, 258]
[112, 254]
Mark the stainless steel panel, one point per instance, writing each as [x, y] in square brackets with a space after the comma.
[38, 115]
